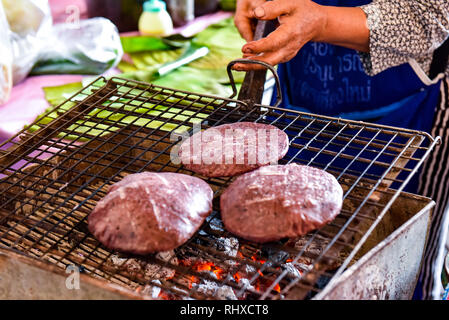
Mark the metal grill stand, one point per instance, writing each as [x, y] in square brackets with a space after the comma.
[54, 172]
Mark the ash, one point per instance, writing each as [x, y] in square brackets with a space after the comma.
[151, 291]
[292, 270]
[215, 223]
[151, 271]
[212, 289]
[155, 271]
[229, 246]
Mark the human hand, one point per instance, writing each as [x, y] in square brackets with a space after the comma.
[244, 18]
[300, 21]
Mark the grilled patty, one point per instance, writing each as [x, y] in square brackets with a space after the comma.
[150, 212]
[276, 202]
[232, 149]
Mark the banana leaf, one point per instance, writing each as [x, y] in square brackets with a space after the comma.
[137, 44]
[224, 43]
[90, 125]
[58, 94]
[186, 79]
[222, 35]
[144, 43]
[127, 67]
[143, 60]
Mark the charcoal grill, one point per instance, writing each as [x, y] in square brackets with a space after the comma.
[55, 170]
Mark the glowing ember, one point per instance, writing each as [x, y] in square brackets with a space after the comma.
[193, 280]
[261, 261]
[264, 279]
[277, 288]
[209, 266]
[237, 277]
[164, 296]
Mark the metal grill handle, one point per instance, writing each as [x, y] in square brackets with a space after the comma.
[266, 65]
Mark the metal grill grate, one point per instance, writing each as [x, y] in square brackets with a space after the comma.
[54, 172]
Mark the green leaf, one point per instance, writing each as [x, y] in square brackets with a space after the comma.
[223, 35]
[143, 60]
[124, 66]
[142, 43]
[58, 94]
[112, 120]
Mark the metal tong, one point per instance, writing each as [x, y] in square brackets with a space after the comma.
[253, 86]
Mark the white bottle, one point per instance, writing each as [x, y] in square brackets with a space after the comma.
[155, 20]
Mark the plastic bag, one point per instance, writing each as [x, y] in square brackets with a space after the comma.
[86, 47]
[29, 22]
[5, 59]
[90, 47]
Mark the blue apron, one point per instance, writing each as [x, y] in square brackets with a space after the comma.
[330, 80]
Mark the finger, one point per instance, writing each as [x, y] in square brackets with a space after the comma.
[248, 56]
[245, 28]
[247, 67]
[271, 10]
[272, 58]
[253, 66]
[273, 42]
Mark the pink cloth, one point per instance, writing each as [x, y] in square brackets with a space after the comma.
[27, 99]
[27, 102]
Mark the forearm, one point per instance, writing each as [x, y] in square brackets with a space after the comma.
[404, 30]
[300, 21]
[345, 26]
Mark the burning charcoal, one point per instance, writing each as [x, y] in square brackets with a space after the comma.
[311, 250]
[212, 289]
[210, 268]
[166, 255]
[275, 257]
[156, 271]
[249, 269]
[212, 274]
[203, 240]
[215, 223]
[133, 266]
[116, 260]
[246, 284]
[292, 271]
[225, 293]
[316, 246]
[187, 261]
[229, 246]
[151, 291]
[303, 267]
[314, 249]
